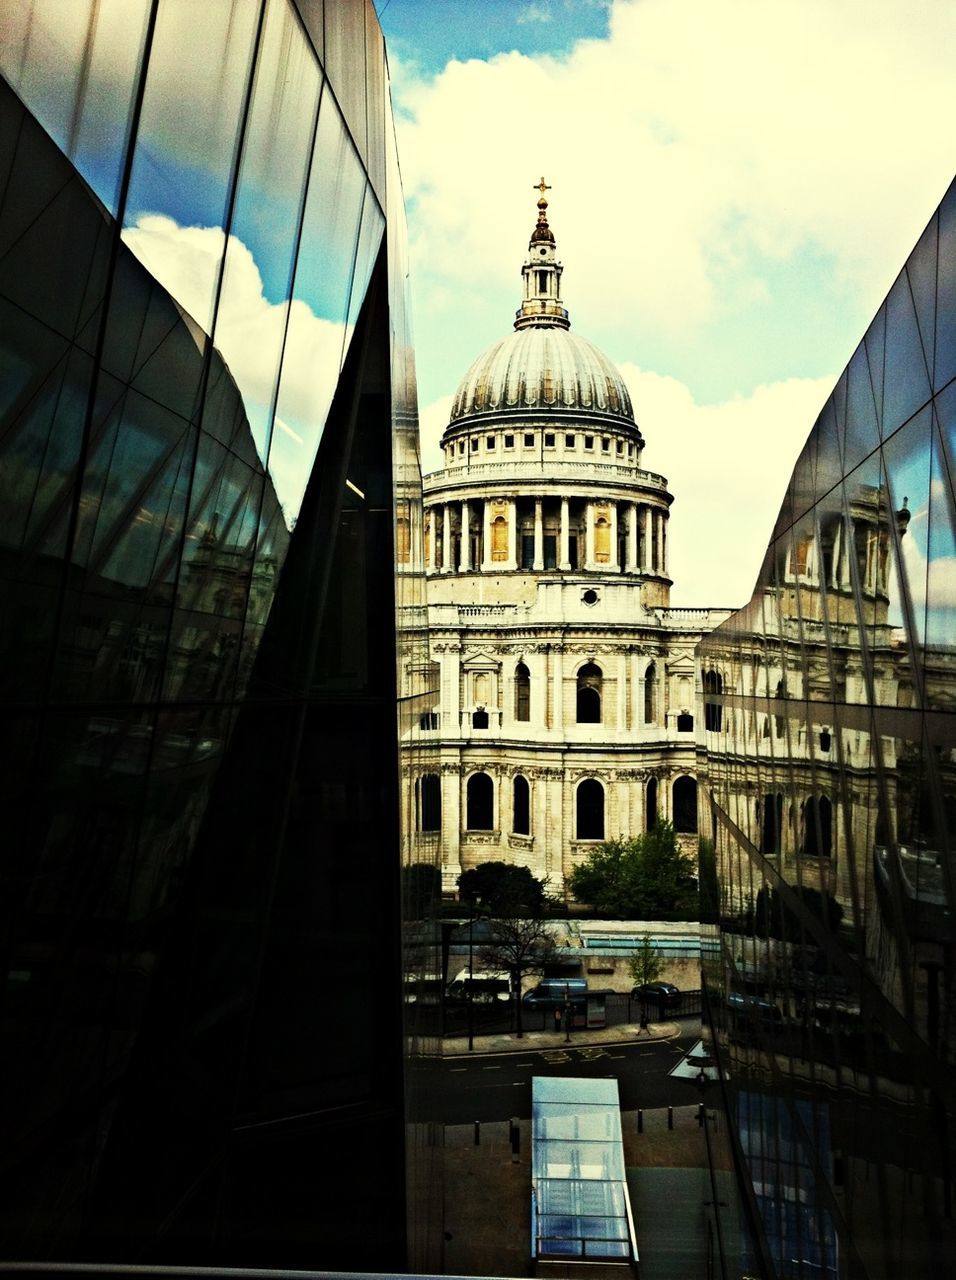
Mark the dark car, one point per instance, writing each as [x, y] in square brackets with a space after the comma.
[662, 994]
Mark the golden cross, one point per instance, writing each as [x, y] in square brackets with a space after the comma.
[542, 187]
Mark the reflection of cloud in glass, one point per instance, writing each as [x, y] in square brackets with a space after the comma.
[185, 261]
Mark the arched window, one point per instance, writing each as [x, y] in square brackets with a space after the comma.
[713, 711]
[651, 811]
[521, 809]
[772, 824]
[522, 692]
[589, 694]
[685, 805]
[818, 827]
[685, 722]
[590, 818]
[479, 719]
[650, 694]
[429, 802]
[480, 808]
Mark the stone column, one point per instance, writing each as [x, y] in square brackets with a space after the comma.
[564, 554]
[612, 533]
[447, 560]
[538, 535]
[538, 666]
[512, 561]
[647, 554]
[661, 566]
[632, 537]
[589, 536]
[622, 691]
[637, 703]
[464, 559]
[432, 538]
[557, 690]
[486, 536]
[451, 815]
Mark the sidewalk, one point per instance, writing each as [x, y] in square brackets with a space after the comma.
[508, 1042]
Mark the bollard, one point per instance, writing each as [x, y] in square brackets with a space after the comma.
[670, 1117]
[640, 1119]
[700, 1114]
[477, 1133]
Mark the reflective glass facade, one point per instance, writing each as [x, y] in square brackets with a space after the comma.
[830, 742]
[210, 504]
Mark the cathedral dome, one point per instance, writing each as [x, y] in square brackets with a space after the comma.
[542, 368]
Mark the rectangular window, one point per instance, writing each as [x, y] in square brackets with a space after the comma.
[489, 442]
[605, 445]
[620, 446]
[550, 551]
[529, 440]
[589, 442]
[461, 446]
[549, 440]
[569, 442]
[474, 444]
[509, 442]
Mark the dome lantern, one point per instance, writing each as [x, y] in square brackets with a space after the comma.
[541, 306]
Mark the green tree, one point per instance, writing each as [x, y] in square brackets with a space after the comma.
[520, 946]
[501, 889]
[645, 964]
[646, 878]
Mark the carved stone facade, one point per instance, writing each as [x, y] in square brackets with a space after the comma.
[563, 712]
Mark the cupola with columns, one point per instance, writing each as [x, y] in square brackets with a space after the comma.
[542, 456]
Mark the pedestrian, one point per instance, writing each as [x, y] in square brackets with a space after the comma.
[644, 1026]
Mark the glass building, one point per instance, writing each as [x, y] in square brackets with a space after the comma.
[830, 888]
[210, 509]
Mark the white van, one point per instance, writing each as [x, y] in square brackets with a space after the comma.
[482, 987]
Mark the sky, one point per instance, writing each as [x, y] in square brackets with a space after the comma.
[734, 186]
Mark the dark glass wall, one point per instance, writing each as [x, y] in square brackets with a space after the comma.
[207, 534]
[831, 756]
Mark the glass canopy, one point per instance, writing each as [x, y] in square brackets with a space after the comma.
[579, 1202]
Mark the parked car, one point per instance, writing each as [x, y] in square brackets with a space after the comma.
[663, 994]
[554, 993]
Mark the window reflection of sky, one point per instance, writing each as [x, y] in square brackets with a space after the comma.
[273, 304]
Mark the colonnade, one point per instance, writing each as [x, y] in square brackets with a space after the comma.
[619, 536]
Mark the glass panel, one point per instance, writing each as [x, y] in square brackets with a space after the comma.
[945, 367]
[257, 276]
[76, 67]
[908, 457]
[345, 64]
[320, 306]
[373, 224]
[906, 384]
[376, 88]
[862, 435]
[193, 109]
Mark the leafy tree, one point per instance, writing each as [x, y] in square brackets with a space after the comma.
[421, 889]
[520, 946]
[501, 889]
[645, 964]
[645, 878]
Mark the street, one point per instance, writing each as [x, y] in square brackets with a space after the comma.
[464, 1088]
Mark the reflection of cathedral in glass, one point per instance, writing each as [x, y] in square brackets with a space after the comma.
[207, 425]
[831, 753]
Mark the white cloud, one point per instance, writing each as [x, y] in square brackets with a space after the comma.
[249, 335]
[699, 140]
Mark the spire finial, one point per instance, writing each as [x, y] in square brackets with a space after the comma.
[542, 306]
